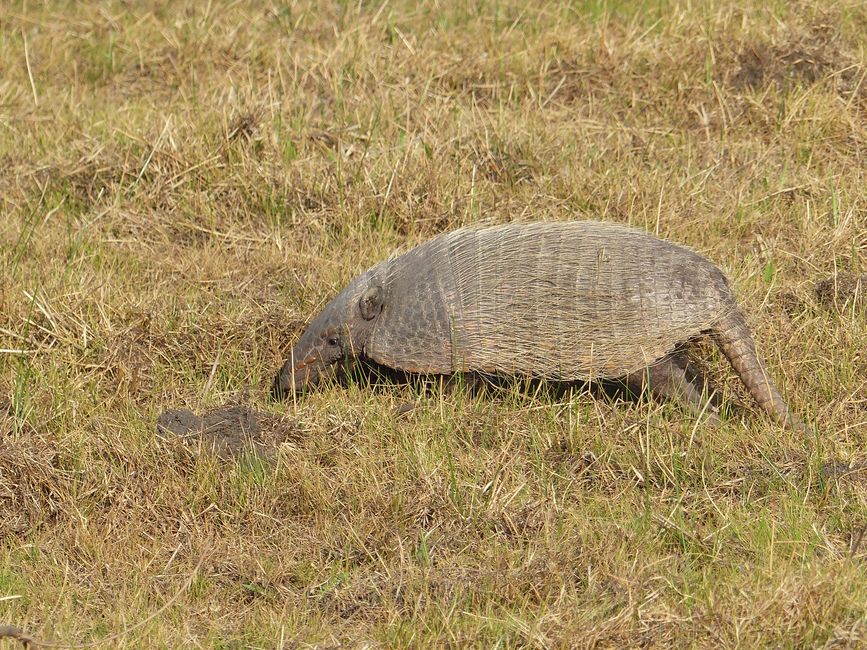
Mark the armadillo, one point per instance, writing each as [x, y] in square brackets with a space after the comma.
[581, 300]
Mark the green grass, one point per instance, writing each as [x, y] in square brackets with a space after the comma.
[183, 186]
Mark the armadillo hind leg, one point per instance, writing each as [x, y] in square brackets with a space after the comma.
[672, 378]
[735, 340]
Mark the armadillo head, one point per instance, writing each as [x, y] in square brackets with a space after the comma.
[336, 336]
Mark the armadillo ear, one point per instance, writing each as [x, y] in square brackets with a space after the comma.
[371, 302]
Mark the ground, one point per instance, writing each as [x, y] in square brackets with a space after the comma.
[183, 185]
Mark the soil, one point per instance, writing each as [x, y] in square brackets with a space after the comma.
[229, 431]
[842, 290]
[854, 473]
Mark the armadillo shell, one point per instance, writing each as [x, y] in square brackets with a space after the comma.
[575, 300]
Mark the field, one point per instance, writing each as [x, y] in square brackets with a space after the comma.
[183, 185]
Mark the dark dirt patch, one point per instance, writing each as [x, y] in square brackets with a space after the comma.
[245, 126]
[806, 56]
[763, 64]
[855, 473]
[229, 431]
[842, 290]
[789, 302]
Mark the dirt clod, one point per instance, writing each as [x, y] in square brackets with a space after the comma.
[807, 55]
[842, 290]
[229, 431]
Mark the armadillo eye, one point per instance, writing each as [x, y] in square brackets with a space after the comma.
[333, 340]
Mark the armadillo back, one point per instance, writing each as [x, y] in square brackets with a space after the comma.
[576, 300]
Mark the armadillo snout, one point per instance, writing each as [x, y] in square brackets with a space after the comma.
[294, 379]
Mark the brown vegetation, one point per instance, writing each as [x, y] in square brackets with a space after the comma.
[183, 185]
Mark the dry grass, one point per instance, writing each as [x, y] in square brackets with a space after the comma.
[182, 186]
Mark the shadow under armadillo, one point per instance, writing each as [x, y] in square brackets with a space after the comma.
[688, 387]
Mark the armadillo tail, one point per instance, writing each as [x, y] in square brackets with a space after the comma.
[733, 337]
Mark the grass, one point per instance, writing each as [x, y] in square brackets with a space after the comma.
[184, 185]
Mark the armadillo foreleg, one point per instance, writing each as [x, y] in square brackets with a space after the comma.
[734, 339]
